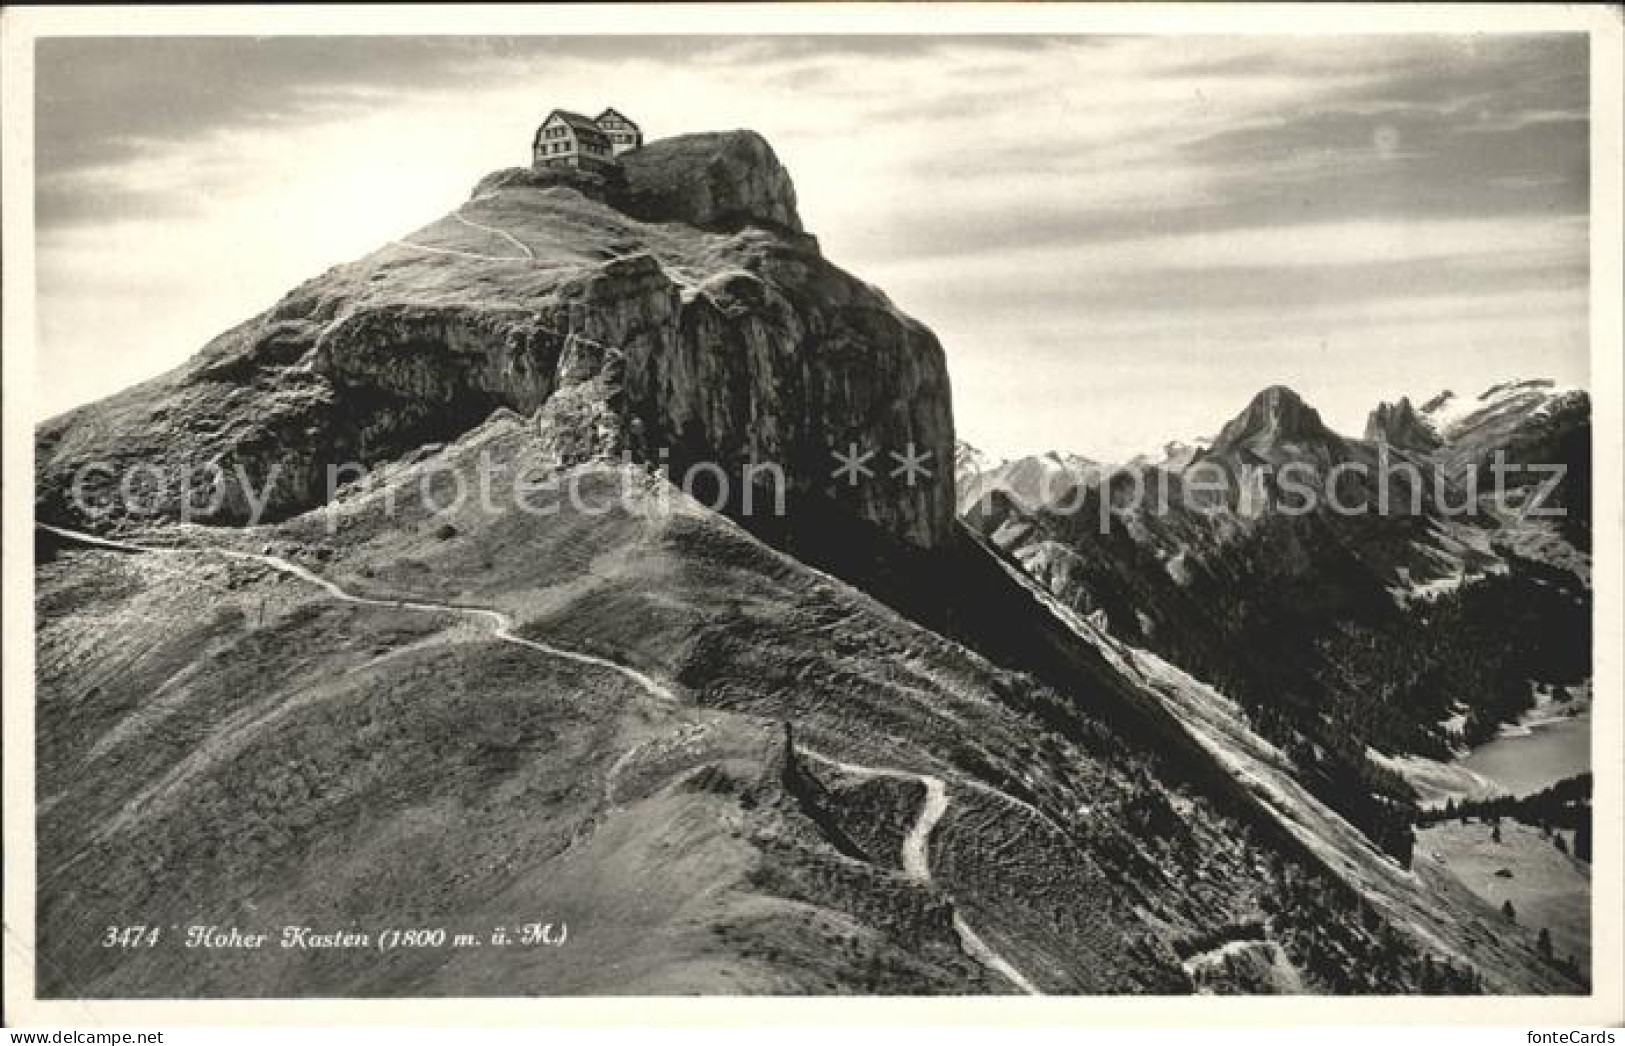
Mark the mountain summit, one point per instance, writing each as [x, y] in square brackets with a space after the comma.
[719, 180]
[672, 307]
[1277, 419]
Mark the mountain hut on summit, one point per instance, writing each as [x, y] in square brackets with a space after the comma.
[567, 139]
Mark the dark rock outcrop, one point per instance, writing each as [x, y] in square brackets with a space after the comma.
[717, 180]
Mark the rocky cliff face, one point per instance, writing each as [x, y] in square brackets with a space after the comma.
[680, 315]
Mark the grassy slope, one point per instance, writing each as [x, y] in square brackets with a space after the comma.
[284, 776]
[222, 744]
[1547, 888]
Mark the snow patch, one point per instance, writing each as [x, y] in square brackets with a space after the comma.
[1447, 412]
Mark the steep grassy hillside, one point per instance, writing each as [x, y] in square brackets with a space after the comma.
[225, 743]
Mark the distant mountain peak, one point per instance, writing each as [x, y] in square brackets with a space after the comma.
[1277, 416]
[1173, 455]
[1399, 425]
[1279, 394]
[1068, 460]
[970, 459]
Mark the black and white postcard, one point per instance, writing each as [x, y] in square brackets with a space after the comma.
[1015, 510]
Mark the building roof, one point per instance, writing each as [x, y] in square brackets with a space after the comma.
[619, 116]
[583, 127]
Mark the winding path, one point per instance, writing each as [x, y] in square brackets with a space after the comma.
[502, 624]
[494, 231]
[916, 846]
[525, 253]
[917, 858]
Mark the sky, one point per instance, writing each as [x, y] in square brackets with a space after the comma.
[1118, 239]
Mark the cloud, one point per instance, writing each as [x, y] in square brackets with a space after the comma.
[1173, 218]
[1467, 246]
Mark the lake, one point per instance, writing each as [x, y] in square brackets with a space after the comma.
[1526, 763]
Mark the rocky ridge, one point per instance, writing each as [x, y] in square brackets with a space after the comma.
[1399, 425]
[1305, 617]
